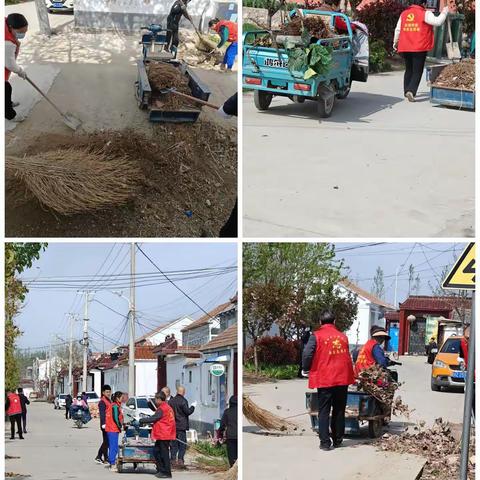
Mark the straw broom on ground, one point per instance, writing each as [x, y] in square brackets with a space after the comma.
[231, 473]
[265, 419]
[73, 180]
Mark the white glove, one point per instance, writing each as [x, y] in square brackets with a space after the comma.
[221, 113]
[304, 373]
[194, 404]
[103, 427]
[445, 10]
[22, 74]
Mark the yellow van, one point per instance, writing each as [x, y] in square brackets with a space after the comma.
[448, 369]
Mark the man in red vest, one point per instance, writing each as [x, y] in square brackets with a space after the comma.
[16, 26]
[163, 432]
[414, 38]
[327, 359]
[13, 408]
[372, 353]
[228, 33]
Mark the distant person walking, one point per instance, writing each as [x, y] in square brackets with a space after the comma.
[113, 427]
[413, 39]
[68, 404]
[13, 408]
[228, 427]
[24, 401]
[103, 405]
[182, 411]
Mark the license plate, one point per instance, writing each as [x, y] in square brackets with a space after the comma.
[275, 62]
[458, 375]
[58, 5]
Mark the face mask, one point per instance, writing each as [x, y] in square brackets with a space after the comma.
[20, 35]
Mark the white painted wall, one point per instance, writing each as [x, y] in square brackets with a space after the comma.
[175, 329]
[145, 377]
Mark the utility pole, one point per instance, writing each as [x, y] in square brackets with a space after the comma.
[131, 313]
[70, 356]
[396, 286]
[49, 366]
[85, 341]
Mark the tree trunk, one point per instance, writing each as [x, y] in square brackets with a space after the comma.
[42, 14]
[255, 356]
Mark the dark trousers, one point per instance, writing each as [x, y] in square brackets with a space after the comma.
[161, 453]
[16, 419]
[9, 110]
[178, 448]
[103, 450]
[172, 37]
[414, 65]
[232, 451]
[67, 412]
[334, 400]
[24, 421]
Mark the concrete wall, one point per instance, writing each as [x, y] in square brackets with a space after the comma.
[197, 336]
[133, 14]
[145, 377]
[175, 329]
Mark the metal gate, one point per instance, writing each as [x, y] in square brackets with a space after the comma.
[416, 340]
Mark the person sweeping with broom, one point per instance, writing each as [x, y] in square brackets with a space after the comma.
[327, 359]
[228, 33]
[16, 26]
[178, 10]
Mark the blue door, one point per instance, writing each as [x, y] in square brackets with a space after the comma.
[393, 342]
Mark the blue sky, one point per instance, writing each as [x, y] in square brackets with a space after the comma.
[44, 313]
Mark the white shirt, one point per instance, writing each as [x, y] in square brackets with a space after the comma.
[430, 19]
[10, 60]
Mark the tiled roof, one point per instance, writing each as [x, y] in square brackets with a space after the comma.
[205, 319]
[227, 338]
[392, 316]
[161, 327]
[144, 352]
[367, 295]
[423, 302]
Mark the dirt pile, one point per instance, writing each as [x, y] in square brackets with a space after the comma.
[312, 23]
[437, 445]
[187, 183]
[193, 53]
[458, 75]
[164, 76]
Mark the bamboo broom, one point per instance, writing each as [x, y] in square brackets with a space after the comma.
[75, 180]
[231, 473]
[265, 419]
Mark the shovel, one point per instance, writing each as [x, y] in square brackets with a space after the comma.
[184, 95]
[69, 120]
[453, 51]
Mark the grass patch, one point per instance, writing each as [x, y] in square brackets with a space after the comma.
[278, 372]
[207, 448]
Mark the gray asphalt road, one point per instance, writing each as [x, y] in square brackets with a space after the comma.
[380, 166]
[54, 449]
[291, 457]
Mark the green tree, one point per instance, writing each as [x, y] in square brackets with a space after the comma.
[378, 288]
[18, 257]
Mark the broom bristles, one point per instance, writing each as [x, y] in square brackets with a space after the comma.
[75, 180]
[265, 419]
[231, 473]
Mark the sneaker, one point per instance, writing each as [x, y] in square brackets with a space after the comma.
[162, 475]
[113, 468]
[410, 97]
[106, 463]
[337, 443]
[325, 447]
[99, 460]
[12, 438]
[19, 118]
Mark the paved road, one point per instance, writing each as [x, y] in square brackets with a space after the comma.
[289, 457]
[380, 166]
[56, 450]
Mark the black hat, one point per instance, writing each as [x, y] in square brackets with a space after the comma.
[17, 20]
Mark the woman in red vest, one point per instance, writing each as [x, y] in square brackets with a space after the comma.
[16, 26]
[414, 38]
[228, 33]
[372, 353]
[113, 427]
[13, 408]
[327, 358]
[163, 432]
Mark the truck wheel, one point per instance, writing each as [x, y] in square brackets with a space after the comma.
[262, 99]
[435, 388]
[375, 428]
[343, 94]
[325, 106]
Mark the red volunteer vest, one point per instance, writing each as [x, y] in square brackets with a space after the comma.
[464, 349]
[110, 425]
[10, 37]
[415, 34]
[15, 404]
[332, 364]
[232, 29]
[164, 429]
[365, 357]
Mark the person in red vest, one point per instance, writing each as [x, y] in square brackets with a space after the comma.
[372, 352]
[414, 38]
[163, 432]
[464, 345]
[13, 408]
[16, 26]
[228, 33]
[103, 405]
[113, 427]
[327, 359]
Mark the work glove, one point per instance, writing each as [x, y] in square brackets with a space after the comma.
[304, 373]
[22, 74]
[194, 404]
[103, 427]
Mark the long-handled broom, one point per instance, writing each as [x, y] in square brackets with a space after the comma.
[75, 180]
[265, 419]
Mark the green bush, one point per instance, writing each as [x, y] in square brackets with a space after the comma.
[278, 372]
[266, 4]
[378, 57]
[207, 448]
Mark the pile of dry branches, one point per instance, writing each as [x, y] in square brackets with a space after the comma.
[458, 75]
[314, 25]
[437, 445]
[377, 382]
[265, 419]
[74, 180]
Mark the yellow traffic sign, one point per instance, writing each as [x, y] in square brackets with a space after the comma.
[462, 275]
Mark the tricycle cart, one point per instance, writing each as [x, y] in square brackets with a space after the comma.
[362, 409]
[79, 415]
[265, 68]
[136, 447]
